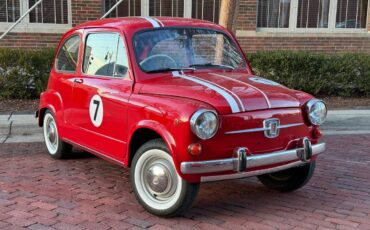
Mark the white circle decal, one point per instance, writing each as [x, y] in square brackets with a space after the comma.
[263, 81]
[96, 110]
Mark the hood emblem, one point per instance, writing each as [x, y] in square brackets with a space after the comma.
[271, 127]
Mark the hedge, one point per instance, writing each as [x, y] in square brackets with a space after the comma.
[343, 75]
[24, 73]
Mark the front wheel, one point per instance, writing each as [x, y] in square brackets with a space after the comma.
[290, 179]
[157, 186]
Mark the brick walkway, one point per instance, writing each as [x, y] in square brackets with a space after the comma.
[89, 193]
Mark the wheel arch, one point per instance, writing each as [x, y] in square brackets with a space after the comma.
[49, 100]
[146, 131]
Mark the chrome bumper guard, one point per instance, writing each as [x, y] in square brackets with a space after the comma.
[241, 163]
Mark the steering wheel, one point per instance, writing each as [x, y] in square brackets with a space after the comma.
[159, 56]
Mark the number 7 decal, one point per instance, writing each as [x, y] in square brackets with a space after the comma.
[96, 110]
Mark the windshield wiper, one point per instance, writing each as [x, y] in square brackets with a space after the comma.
[211, 65]
[170, 69]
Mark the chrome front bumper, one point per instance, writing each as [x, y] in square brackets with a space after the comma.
[241, 163]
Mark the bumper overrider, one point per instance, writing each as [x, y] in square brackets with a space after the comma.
[242, 163]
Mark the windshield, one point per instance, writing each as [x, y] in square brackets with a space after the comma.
[186, 48]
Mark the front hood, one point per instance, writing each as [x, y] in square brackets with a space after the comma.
[228, 92]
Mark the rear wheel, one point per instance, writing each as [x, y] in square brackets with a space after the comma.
[290, 179]
[157, 186]
[56, 147]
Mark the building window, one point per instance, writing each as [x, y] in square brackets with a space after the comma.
[273, 13]
[206, 10]
[351, 14]
[124, 9]
[9, 10]
[313, 14]
[300, 15]
[170, 8]
[54, 15]
[52, 11]
[201, 9]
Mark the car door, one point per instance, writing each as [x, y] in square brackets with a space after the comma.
[101, 94]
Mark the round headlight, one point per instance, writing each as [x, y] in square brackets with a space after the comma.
[204, 124]
[317, 111]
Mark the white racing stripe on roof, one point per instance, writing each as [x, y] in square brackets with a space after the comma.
[159, 21]
[152, 21]
[241, 82]
[230, 100]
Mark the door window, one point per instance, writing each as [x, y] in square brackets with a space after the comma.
[105, 55]
[68, 55]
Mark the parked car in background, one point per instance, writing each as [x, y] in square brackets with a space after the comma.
[176, 101]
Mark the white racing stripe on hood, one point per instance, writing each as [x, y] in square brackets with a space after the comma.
[152, 21]
[230, 100]
[241, 82]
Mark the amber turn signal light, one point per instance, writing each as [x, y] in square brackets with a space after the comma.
[316, 133]
[195, 149]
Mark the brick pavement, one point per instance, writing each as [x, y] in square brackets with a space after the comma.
[85, 192]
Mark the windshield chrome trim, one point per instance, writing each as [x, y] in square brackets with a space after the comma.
[262, 129]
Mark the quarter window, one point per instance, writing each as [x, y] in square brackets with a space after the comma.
[67, 58]
[101, 57]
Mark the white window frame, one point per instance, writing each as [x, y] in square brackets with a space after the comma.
[331, 22]
[26, 27]
[145, 8]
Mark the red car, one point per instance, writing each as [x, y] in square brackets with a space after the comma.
[176, 101]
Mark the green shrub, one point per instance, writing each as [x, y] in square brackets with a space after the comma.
[24, 73]
[344, 75]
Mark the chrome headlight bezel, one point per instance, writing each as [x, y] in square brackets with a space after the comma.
[194, 120]
[310, 105]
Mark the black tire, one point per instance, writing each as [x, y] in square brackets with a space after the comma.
[290, 179]
[152, 154]
[57, 148]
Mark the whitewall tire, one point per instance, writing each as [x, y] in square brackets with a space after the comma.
[157, 186]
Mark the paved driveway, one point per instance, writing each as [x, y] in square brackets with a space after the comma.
[86, 192]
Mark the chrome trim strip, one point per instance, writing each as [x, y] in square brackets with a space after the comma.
[251, 173]
[230, 100]
[262, 129]
[198, 167]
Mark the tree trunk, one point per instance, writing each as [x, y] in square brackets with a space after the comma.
[228, 11]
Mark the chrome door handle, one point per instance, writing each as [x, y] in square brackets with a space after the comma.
[79, 81]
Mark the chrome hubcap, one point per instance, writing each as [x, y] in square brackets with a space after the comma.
[159, 179]
[51, 133]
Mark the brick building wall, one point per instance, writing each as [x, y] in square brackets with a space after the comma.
[246, 30]
[252, 41]
[82, 11]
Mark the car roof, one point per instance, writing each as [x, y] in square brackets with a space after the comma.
[139, 23]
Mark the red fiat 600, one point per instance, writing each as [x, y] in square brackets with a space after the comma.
[176, 101]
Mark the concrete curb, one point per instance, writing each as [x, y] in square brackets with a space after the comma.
[15, 127]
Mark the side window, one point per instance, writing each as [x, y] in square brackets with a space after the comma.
[100, 54]
[68, 55]
[122, 62]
